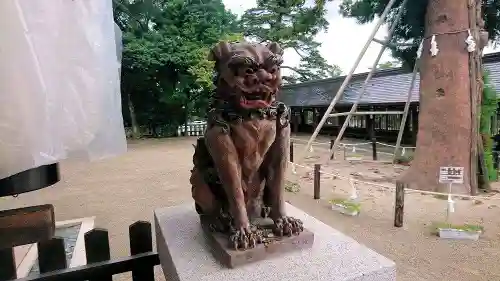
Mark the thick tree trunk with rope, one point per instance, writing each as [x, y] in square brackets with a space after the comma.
[447, 133]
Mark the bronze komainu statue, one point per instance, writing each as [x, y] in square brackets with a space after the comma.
[240, 163]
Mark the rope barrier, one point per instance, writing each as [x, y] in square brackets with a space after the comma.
[355, 144]
[315, 142]
[407, 191]
[342, 145]
[390, 145]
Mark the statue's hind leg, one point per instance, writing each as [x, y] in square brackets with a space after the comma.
[206, 204]
[202, 195]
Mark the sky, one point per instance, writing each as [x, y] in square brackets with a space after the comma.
[343, 41]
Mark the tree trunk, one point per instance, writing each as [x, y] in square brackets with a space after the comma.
[476, 24]
[133, 118]
[186, 113]
[445, 122]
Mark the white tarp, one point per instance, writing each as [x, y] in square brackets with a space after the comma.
[59, 83]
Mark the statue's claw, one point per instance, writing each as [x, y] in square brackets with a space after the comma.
[287, 226]
[252, 241]
[259, 236]
[245, 238]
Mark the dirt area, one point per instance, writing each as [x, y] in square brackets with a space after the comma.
[154, 173]
[419, 255]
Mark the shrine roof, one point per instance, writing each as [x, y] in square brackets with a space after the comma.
[387, 86]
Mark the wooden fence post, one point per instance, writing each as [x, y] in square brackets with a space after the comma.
[399, 204]
[141, 241]
[331, 149]
[7, 264]
[51, 255]
[317, 181]
[97, 249]
[291, 151]
[374, 149]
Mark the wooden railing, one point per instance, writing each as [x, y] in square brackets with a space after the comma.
[53, 266]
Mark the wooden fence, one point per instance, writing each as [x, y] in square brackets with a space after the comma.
[53, 265]
[192, 129]
[399, 194]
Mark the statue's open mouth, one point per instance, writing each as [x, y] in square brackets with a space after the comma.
[254, 101]
[260, 98]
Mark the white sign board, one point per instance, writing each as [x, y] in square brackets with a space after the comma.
[453, 175]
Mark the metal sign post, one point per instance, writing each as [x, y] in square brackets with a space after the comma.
[449, 208]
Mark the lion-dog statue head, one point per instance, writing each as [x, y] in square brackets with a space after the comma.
[249, 72]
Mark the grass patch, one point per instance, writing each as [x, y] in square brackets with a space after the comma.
[355, 155]
[465, 227]
[404, 159]
[292, 187]
[347, 204]
[441, 196]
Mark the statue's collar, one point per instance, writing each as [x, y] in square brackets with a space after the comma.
[231, 112]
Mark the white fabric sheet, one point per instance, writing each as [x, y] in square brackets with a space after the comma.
[59, 83]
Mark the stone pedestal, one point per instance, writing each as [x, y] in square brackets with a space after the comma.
[184, 254]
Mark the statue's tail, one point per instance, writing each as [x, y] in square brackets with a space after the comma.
[203, 197]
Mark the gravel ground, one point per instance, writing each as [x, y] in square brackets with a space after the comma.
[154, 173]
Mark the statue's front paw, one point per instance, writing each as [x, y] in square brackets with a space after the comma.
[244, 238]
[287, 226]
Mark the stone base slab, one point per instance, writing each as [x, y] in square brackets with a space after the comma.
[185, 254]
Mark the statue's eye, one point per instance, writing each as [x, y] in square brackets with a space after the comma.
[273, 70]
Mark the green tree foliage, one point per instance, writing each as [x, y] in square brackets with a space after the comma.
[293, 24]
[166, 76]
[489, 106]
[412, 23]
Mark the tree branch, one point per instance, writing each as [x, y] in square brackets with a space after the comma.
[127, 12]
[298, 53]
[296, 70]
